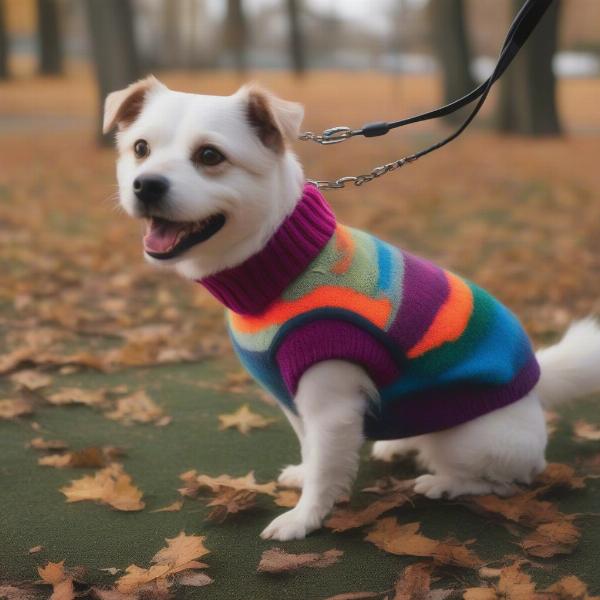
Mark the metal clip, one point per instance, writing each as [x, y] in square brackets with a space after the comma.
[334, 135]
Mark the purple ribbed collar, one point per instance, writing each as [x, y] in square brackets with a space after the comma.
[250, 287]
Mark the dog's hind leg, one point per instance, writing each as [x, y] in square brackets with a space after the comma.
[331, 400]
[486, 455]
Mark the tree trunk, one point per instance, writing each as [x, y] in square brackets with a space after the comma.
[452, 48]
[113, 47]
[298, 58]
[235, 35]
[527, 103]
[50, 44]
[3, 43]
[171, 18]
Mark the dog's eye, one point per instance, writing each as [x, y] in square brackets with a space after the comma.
[141, 149]
[208, 156]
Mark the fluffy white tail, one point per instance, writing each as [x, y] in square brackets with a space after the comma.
[571, 368]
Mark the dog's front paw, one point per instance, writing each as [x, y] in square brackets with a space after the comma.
[291, 525]
[386, 450]
[292, 476]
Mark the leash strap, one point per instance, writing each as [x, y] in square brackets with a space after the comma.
[521, 28]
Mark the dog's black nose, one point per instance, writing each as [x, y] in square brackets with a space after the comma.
[150, 189]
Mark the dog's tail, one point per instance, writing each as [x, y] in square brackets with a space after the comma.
[571, 368]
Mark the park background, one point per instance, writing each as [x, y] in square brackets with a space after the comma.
[513, 204]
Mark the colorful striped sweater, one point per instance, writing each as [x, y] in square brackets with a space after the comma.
[440, 350]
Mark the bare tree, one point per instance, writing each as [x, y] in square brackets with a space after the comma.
[3, 43]
[452, 47]
[236, 33]
[528, 87]
[113, 47]
[49, 39]
[297, 54]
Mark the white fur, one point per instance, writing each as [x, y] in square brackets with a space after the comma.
[257, 188]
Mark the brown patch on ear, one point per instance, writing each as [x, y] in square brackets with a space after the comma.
[122, 108]
[275, 120]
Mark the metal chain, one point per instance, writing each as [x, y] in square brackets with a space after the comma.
[335, 135]
[358, 180]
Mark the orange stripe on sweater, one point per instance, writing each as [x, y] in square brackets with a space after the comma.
[345, 245]
[450, 321]
[375, 310]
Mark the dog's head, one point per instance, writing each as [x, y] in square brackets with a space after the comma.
[213, 176]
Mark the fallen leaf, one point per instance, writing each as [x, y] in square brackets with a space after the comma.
[513, 584]
[586, 431]
[90, 458]
[343, 519]
[11, 592]
[110, 570]
[549, 539]
[414, 583]
[180, 554]
[194, 579]
[74, 395]
[35, 549]
[229, 501]
[194, 482]
[9, 409]
[481, 593]
[137, 407]
[287, 498]
[110, 486]
[40, 443]
[62, 584]
[276, 560]
[31, 379]
[570, 588]
[244, 420]
[173, 507]
[389, 485]
[407, 541]
[560, 475]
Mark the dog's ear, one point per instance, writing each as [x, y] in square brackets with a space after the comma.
[121, 108]
[276, 121]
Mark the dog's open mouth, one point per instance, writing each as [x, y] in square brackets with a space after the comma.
[168, 239]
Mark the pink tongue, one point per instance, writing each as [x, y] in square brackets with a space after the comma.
[161, 236]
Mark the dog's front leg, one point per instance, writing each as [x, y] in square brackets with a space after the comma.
[331, 401]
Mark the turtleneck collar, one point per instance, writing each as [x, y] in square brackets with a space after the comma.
[250, 287]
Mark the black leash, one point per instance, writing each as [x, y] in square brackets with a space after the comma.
[523, 24]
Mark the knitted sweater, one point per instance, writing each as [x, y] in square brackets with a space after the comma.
[440, 350]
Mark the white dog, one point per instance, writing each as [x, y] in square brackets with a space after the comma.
[215, 179]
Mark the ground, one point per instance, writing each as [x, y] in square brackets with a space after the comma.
[518, 216]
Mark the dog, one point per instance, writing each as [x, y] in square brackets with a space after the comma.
[310, 305]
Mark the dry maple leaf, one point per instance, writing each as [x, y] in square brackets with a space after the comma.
[586, 431]
[389, 485]
[110, 486]
[415, 583]
[74, 395]
[35, 549]
[244, 420]
[31, 379]
[137, 407]
[228, 502]
[90, 458]
[194, 482]
[560, 475]
[9, 409]
[343, 519]
[523, 508]
[276, 560]
[62, 584]
[480, 593]
[513, 584]
[287, 498]
[406, 540]
[570, 588]
[549, 539]
[180, 554]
